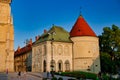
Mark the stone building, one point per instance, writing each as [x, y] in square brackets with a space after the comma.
[52, 51]
[23, 58]
[59, 50]
[6, 37]
[85, 47]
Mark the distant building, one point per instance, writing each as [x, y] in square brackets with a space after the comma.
[6, 37]
[23, 58]
[59, 50]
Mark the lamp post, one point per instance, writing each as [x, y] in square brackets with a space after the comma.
[52, 57]
[52, 39]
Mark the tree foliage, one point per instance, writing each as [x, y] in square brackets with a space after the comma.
[110, 48]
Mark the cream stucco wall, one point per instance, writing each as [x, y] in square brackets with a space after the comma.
[82, 54]
[86, 54]
[62, 51]
[37, 57]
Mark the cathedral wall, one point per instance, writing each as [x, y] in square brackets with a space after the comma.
[2, 57]
[6, 38]
[11, 37]
[4, 12]
[3, 33]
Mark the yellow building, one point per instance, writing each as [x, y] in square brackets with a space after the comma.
[6, 37]
[23, 58]
[59, 50]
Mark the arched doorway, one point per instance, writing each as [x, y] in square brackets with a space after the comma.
[67, 66]
[44, 66]
[60, 65]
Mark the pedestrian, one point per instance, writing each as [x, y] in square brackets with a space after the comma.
[47, 74]
[19, 74]
[7, 71]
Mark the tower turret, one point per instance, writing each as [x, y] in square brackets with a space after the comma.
[85, 47]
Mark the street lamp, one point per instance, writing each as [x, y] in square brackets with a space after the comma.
[52, 39]
[52, 54]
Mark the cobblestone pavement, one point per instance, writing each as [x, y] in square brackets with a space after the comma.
[45, 76]
[29, 76]
[14, 76]
[3, 76]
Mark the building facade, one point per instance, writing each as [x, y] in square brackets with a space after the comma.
[52, 51]
[59, 50]
[23, 58]
[6, 37]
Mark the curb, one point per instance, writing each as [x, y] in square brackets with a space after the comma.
[35, 75]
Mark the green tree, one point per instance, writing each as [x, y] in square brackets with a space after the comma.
[110, 48]
[106, 63]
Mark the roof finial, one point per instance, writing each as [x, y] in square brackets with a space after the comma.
[53, 26]
[80, 11]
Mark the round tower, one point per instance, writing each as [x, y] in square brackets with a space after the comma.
[85, 47]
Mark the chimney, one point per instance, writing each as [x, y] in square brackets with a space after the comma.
[18, 49]
[36, 38]
[45, 31]
[30, 42]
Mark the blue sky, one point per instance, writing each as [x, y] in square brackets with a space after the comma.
[31, 17]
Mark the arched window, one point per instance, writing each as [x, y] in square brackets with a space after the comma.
[67, 66]
[44, 66]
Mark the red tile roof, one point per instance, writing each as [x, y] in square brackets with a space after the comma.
[23, 50]
[81, 28]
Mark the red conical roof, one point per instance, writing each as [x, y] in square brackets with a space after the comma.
[81, 28]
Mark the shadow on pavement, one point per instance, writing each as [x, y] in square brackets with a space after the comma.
[3, 76]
